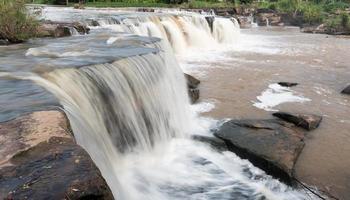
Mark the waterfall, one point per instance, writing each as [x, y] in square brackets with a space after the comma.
[122, 107]
[181, 31]
[133, 116]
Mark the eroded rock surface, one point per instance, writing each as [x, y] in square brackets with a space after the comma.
[40, 160]
[306, 121]
[272, 145]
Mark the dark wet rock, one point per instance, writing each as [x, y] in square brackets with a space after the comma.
[4, 42]
[192, 87]
[287, 84]
[61, 29]
[214, 142]
[40, 160]
[346, 90]
[192, 82]
[194, 94]
[306, 121]
[272, 145]
[210, 20]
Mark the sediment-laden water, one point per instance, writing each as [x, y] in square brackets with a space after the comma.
[125, 96]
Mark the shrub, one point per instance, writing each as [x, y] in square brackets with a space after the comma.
[16, 25]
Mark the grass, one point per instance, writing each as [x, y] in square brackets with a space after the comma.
[16, 25]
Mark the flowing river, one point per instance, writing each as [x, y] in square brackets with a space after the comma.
[123, 90]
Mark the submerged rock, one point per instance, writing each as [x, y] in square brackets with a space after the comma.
[287, 84]
[214, 142]
[271, 145]
[306, 121]
[192, 87]
[40, 160]
[346, 90]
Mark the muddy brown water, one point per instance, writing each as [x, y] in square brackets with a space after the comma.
[321, 66]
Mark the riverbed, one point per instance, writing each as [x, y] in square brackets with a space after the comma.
[318, 63]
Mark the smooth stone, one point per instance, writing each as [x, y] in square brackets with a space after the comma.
[272, 145]
[214, 142]
[306, 121]
[287, 84]
[346, 90]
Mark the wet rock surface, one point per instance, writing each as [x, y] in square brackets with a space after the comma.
[192, 87]
[43, 161]
[287, 84]
[306, 121]
[214, 142]
[61, 29]
[346, 90]
[271, 145]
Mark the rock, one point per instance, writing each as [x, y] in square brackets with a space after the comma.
[265, 10]
[4, 42]
[245, 22]
[306, 121]
[214, 142]
[346, 90]
[61, 29]
[192, 87]
[194, 94]
[271, 18]
[192, 82]
[44, 162]
[210, 21]
[287, 84]
[271, 145]
[145, 10]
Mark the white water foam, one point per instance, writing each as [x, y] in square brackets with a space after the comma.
[276, 95]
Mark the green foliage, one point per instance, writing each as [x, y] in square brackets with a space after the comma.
[16, 25]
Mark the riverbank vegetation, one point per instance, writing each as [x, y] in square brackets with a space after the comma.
[333, 13]
[16, 24]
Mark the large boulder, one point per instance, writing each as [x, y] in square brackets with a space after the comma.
[272, 145]
[306, 121]
[40, 160]
[192, 87]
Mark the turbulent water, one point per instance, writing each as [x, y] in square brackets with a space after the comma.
[132, 113]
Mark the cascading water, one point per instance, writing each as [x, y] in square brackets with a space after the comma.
[133, 117]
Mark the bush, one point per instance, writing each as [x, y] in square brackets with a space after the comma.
[312, 13]
[16, 25]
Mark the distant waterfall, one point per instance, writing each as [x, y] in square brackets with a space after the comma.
[125, 106]
[181, 31]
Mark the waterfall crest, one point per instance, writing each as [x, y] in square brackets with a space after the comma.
[122, 107]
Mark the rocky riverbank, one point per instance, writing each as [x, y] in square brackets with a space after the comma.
[40, 160]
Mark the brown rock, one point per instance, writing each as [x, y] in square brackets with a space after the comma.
[192, 87]
[271, 145]
[60, 29]
[44, 162]
[306, 121]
